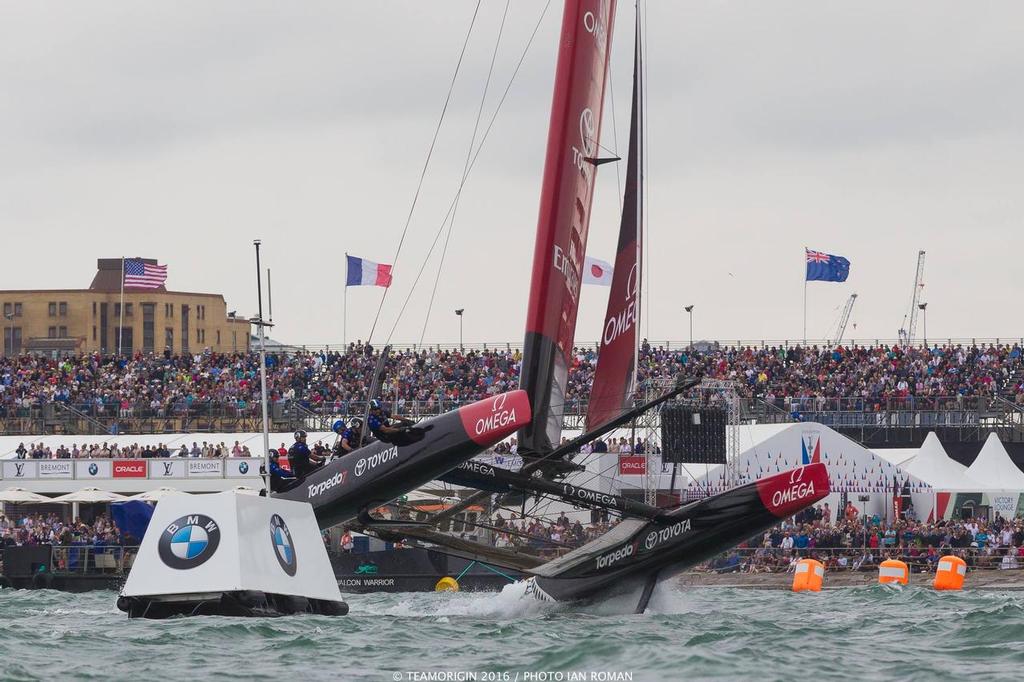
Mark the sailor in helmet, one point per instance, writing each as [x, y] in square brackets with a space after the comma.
[280, 478]
[381, 425]
[303, 461]
[347, 438]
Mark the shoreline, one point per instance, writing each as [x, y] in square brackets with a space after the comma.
[976, 580]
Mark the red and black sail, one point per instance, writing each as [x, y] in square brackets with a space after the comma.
[616, 362]
[564, 219]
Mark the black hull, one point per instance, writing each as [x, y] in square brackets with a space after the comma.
[415, 570]
[380, 472]
[637, 551]
[235, 604]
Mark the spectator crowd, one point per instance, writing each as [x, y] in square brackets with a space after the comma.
[857, 542]
[115, 387]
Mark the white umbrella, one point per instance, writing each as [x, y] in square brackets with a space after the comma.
[90, 495]
[155, 495]
[22, 496]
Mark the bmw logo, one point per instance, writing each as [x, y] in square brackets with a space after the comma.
[243, 467]
[189, 541]
[94, 468]
[284, 549]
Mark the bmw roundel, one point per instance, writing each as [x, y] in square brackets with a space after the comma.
[284, 549]
[189, 542]
[94, 468]
[243, 467]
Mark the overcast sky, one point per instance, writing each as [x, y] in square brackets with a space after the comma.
[182, 131]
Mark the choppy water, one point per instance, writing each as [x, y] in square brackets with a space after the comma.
[689, 633]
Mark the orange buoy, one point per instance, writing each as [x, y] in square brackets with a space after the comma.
[950, 573]
[809, 576]
[893, 572]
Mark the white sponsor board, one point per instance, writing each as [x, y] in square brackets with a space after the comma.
[242, 467]
[86, 469]
[1005, 504]
[166, 468]
[56, 468]
[19, 468]
[205, 468]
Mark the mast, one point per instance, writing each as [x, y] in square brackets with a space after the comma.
[564, 219]
[616, 365]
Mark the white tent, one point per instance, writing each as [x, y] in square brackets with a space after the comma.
[22, 496]
[155, 495]
[90, 495]
[994, 468]
[933, 466]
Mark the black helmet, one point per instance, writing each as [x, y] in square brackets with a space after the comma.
[300, 434]
[356, 423]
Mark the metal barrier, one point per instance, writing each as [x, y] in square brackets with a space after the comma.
[92, 560]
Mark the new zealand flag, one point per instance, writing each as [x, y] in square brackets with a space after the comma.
[826, 267]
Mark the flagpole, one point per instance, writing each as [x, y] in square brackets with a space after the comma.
[120, 323]
[805, 296]
[344, 310]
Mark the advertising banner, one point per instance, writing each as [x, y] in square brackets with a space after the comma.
[129, 468]
[242, 467]
[60, 468]
[167, 468]
[205, 468]
[19, 468]
[632, 465]
[93, 468]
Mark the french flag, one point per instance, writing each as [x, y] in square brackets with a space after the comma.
[362, 272]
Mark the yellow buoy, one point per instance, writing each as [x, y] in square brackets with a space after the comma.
[950, 573]
[809, 575]
[893, 572]
[447, 584]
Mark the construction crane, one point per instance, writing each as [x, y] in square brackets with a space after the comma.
[844, 319]
[910, 319]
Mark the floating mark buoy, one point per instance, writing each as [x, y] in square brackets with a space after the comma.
[447, 584]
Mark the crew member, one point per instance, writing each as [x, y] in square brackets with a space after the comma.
[381, 425]
[347, 439]
[279, 478]
[302, 460]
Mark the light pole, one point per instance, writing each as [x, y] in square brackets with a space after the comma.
[689, 309]
[924, 312]
[459, 312]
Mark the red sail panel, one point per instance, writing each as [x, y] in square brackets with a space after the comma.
[616, 361]
[564, 216]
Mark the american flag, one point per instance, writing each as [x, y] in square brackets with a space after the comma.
[144, 275]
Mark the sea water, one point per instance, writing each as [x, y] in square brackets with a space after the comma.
[688, 633]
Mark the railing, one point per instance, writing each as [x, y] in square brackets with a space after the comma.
[925, 412]
[852, 559]
[91, 560]
[674, 345]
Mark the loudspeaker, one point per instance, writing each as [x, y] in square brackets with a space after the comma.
[693, 434]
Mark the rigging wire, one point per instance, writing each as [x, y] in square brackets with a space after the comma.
[465, 170]
[476, 155]
[426, 163]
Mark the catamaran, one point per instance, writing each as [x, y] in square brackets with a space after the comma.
[649, 543]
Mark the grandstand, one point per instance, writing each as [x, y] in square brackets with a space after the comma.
[879, 394]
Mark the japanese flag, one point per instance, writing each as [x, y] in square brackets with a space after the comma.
[597, 272]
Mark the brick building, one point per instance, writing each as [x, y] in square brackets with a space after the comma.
[57, 322]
